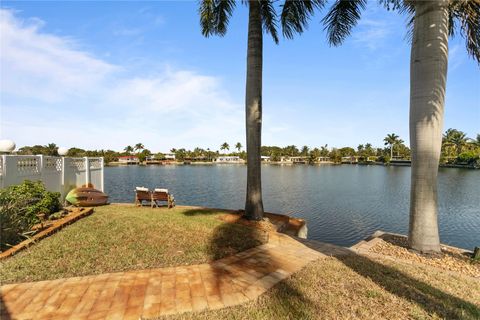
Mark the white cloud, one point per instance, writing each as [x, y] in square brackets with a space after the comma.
[52, 91]
[371, 33]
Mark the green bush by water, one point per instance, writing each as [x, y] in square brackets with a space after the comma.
[19, 207]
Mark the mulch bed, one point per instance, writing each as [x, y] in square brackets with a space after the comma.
[48, 229]
[452, 259]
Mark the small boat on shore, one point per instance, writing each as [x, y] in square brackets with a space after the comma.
[86, 197]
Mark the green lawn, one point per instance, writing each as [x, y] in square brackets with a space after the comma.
[118, 238]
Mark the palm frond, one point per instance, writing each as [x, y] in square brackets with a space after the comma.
[296, 14]
[215, 15]
[341, 18]
[269, 18]
[467, 13]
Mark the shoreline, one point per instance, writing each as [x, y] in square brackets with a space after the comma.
[204, 163]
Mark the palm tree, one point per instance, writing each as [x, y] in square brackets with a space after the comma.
[324, 151]
[139, 146]
[458, 139]
[225, 146]
[214, 18]
[304, 151]
[51, 149]
[392, 140]
[128, 149]
[476, 142]
[433, 22]
[238, 146]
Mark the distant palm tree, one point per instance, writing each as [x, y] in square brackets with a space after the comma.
[51, 149]
[128, 149]
[459, 140]
[304, 151]
[392, 140]
[476, 142]
[432, 22]
[139, 146]
[324, 150]
[214, 18]
[225, 146]
[238, 146]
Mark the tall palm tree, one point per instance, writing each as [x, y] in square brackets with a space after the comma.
[214, 18]
[225, 146]
[391, 140]
[128, 149]
[238, 146]
[433, 22]
[139, 146]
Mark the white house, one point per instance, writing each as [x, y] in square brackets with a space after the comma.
[323, 159]
[299, 159]
[166, 156]
[285, 160]
[128, 159]
[229, 159]
[169, 156]
[265, 158]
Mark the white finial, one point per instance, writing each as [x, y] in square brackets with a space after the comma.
[7, 145]
[62, 151]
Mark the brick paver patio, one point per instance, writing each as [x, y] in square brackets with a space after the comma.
[149, 293]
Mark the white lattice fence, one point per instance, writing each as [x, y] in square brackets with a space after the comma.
[60, 174]
[52, 173]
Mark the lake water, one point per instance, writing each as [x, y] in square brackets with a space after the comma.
[341, 204]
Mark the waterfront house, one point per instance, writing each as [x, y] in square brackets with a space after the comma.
[265, 158]
[169, 156]
[128, 159]
[323, 159]
[350, 159]
[299, 160]
[285, 160]
[229, 159]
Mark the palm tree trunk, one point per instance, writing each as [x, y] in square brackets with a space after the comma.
[391, 152]
[428, 71]
[253, 111]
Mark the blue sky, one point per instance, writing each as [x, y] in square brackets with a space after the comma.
[101, 75]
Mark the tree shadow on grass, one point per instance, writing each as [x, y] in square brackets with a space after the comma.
[233, 247]
[430, 299]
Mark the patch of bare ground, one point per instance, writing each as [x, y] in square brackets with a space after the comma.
[450, 258]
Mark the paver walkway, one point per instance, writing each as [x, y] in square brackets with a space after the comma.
[149, 293]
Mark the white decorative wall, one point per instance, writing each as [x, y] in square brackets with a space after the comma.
[59, 174]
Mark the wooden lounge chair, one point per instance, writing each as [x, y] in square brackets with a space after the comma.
[143, 194]
[162, 195]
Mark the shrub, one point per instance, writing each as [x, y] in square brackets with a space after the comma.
[19, 207]
[468, 157]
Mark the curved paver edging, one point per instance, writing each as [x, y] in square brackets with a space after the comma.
[149, 293]
[56, 226]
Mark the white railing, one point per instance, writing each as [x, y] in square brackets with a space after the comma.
[59, 174]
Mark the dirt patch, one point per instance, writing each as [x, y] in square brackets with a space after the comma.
[451, 259]
[264, 225]
[272, 222]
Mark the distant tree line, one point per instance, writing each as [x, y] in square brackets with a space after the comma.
[457, 148]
